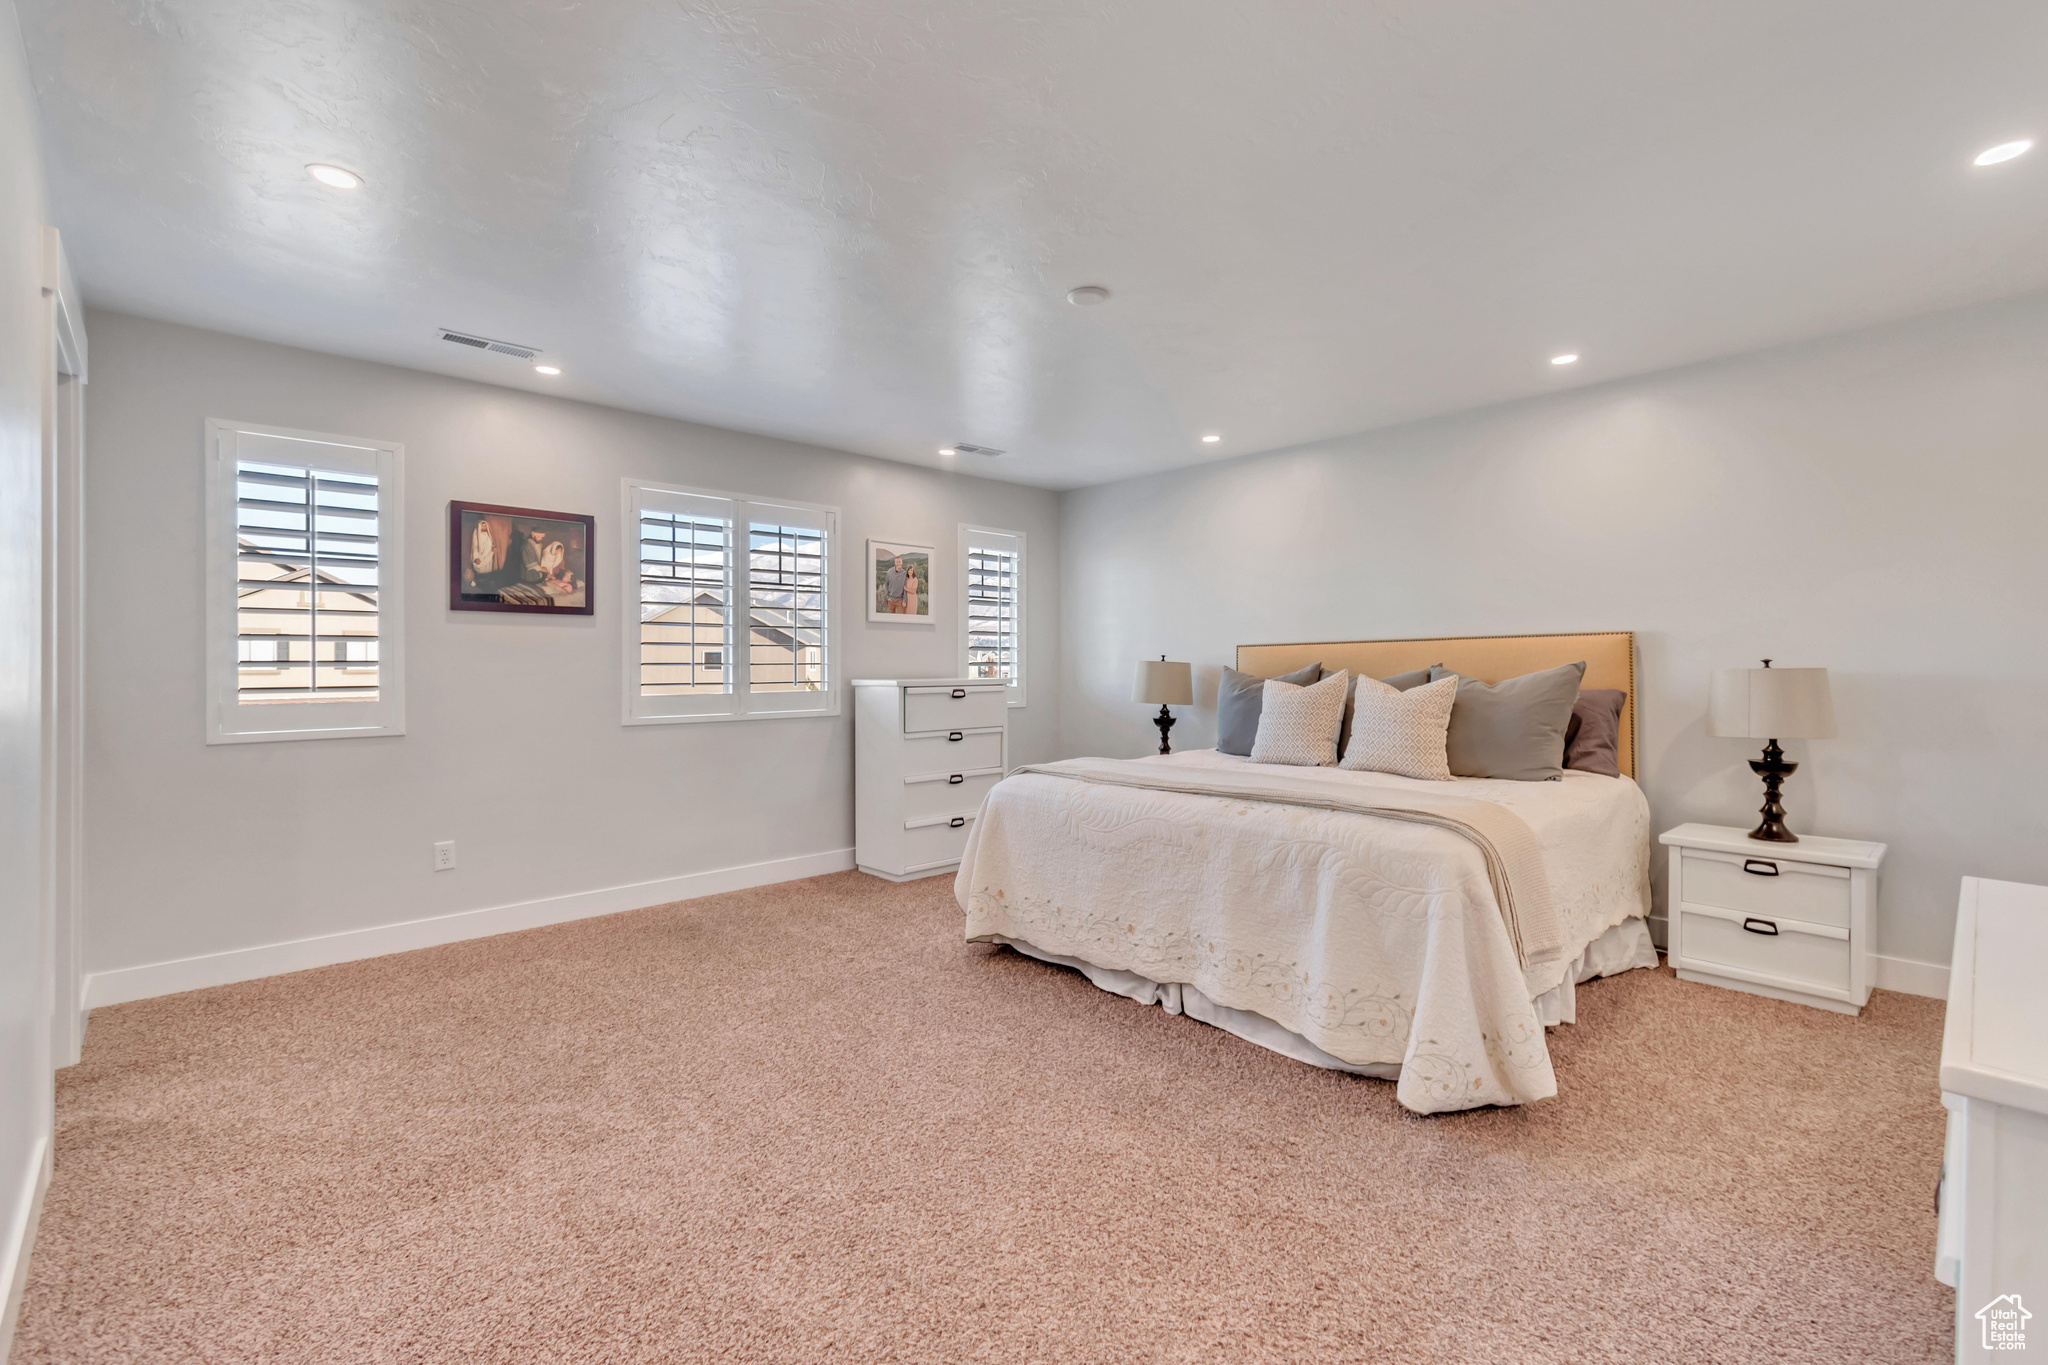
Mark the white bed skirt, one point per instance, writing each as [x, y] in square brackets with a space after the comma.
[1627, 945]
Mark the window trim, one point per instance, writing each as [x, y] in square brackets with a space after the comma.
[968, 531]
[736, 703]
[226, 720]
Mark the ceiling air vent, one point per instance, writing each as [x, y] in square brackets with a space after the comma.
[966, 449]
[486, 344]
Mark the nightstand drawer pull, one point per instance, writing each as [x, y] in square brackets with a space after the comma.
[1776, 889]
[956, 736]
[956, 779]
[1768, 928]
[959, 820]
[959, 692]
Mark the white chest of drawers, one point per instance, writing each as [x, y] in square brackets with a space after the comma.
[925, 751]
[1992, 1246]
[1791, 921]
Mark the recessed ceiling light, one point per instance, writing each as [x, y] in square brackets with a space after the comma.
[947, 450]
[546, 369]
[2004, 151]
[335, 176]
[1569, 358]
[1087, 296]
[1211, 439]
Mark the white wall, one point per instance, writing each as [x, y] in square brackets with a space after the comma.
[514, 747]
[25, 1087]
[1872, 504]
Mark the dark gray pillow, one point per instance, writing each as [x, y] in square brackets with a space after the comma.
[1238, 698]
[1514, 728]
[1592, 739]
[1400, 682]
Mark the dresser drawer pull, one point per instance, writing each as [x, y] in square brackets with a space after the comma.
[1761, 926]
[959, 692]
[956, 736]
[959, 820]
[1757, 867]
[956, 779]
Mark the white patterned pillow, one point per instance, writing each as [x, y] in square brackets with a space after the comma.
[1405, 733]
[1298, 725]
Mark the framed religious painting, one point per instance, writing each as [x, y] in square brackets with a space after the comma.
[899, 581]
[519, 559]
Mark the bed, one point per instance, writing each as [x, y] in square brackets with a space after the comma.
[1422, 932]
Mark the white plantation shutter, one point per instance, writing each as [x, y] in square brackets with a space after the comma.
[732, 615]
[684, 560]
[992, 607]
[306, 591]
[304, 618]
[786, 608]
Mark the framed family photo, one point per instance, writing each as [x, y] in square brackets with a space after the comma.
[899, 581]
[519, 559]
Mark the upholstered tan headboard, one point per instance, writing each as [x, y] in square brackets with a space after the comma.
[1610, 662]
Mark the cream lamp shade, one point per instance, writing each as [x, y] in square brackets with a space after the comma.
[1772, 703]
[1164, 683]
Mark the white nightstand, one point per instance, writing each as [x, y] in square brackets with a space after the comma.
[1791, 921]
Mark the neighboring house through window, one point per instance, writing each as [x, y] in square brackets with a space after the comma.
[729, 608]
[305, 608]
[992, 607]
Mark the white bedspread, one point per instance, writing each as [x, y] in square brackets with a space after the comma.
[1377, 940]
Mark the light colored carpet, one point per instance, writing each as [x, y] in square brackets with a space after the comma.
[808, 1123]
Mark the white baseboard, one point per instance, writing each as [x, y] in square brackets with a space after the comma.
[272, 959]
[21, 1240]
[1908, 977]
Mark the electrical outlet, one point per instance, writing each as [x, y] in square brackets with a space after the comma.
[444, 855]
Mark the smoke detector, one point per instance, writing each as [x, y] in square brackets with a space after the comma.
[511, 348]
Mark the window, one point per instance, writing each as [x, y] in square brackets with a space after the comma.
[305, 608]
[731, 614]
[992, 607]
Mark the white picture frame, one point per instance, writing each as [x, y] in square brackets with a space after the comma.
[916, 589]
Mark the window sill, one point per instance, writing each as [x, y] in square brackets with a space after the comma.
[269, 736]
[824, 712]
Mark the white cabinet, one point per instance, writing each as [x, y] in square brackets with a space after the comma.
[1992, 1246]
[925, 751]
[1791, 921]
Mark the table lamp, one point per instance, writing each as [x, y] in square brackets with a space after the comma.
[1772, 704]
[1169, 684]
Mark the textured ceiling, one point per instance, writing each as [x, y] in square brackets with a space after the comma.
[855, 222]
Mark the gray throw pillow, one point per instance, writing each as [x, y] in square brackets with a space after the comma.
[1592, 739]
[1400, 682]
[1238, 699]
[1514, 728]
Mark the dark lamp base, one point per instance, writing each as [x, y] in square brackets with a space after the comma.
[1773, 768]
[1164, 720]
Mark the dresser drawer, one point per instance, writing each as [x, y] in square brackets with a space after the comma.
[1766, 885]
[1796, 955]
[945, 754]
[947, 793]
[935, 839]
[926, 709]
